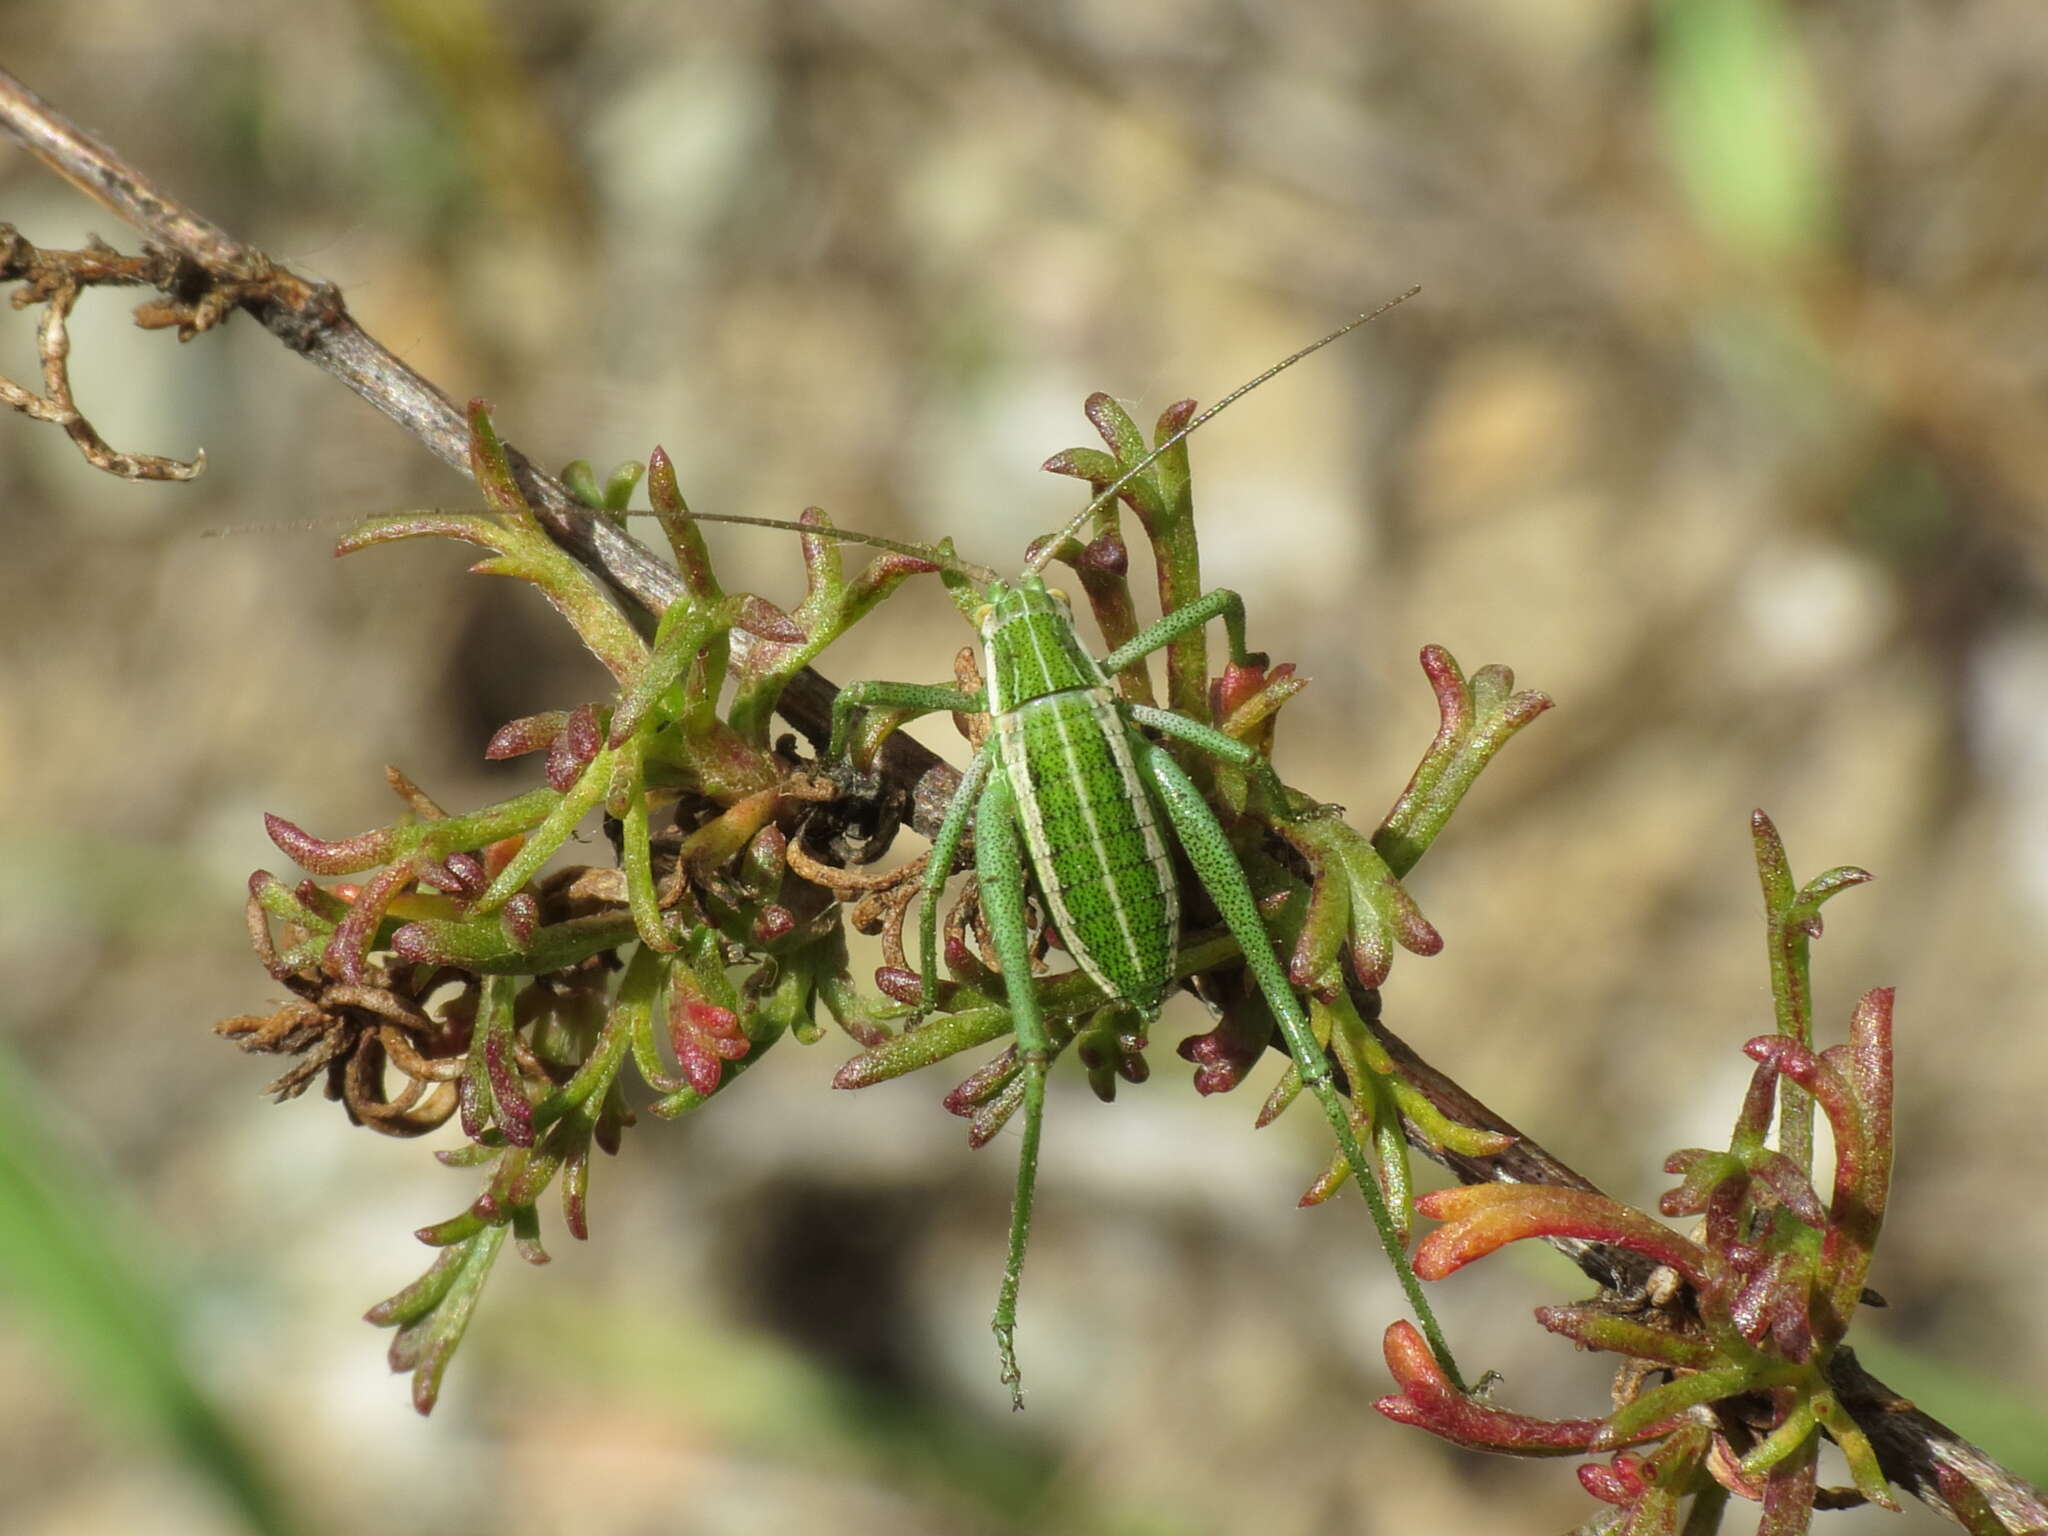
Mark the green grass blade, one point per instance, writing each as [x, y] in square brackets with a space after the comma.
[75, 1282]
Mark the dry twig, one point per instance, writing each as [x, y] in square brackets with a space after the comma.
[55, 279]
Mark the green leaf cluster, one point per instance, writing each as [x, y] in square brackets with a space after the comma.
[450, 966]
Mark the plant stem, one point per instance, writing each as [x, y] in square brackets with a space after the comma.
[1792, 997]
[1788, 935]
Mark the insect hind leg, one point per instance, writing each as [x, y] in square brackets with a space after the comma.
[939, 869]
[1216, 863]
[999, 859]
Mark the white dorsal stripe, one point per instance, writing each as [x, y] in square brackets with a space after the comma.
[1103, 716]
[1062, 721]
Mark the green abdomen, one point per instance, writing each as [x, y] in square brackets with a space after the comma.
[1098, 854]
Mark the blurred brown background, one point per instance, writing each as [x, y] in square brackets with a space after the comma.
[1719, 418]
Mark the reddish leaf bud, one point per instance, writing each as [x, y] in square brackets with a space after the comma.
[984, 1085]
[1620, 1483]
[1429, 1401]
[530, 733]
[520, 918]
[346, 857]
[1106, 555]
[758, 616]
[774, 922]
[468, 872]
[571, 752]
[899, 985]
[515, 1113]
[703, 1035]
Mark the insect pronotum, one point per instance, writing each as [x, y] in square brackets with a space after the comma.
[1069, 788]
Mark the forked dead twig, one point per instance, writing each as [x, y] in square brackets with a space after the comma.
[55, 279]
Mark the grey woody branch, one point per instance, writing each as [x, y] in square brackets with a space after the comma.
[206, 274]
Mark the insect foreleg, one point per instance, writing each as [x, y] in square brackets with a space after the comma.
[939, 869]
[1215, 862]
[999, 860]
[1216, 744]
[1220, 602]
[924, 698]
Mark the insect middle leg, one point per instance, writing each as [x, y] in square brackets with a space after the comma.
[938, 870]
[925, 699]
[1218, 602]
[1208, 739]
[921, 698]
[999, 860]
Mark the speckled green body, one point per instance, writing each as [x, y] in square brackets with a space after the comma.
[1089, 826]
[1068, 786]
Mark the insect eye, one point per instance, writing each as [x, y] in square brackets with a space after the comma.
[982, 615]
[1059, 597]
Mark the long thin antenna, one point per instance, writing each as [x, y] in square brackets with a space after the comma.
[1045, 551]
[980, 573]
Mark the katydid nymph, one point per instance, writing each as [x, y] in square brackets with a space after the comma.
[1069, 793]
